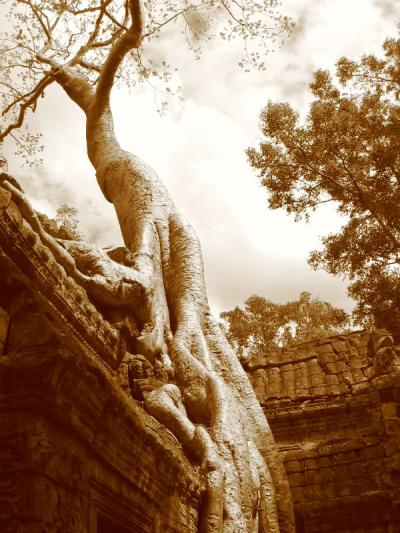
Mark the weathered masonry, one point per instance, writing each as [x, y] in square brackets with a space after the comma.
[77, 454]
[334, 409]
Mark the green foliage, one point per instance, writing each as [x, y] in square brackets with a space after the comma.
[347, 151]
[261, 325]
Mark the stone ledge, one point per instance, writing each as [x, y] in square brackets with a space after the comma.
[57, 292]
[65, 421]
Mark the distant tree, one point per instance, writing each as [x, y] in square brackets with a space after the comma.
[67, 220]
[261, 325]
[347, 151]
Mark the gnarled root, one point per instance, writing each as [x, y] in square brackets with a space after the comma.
[165, 404]
[213, 411]
[100, 272]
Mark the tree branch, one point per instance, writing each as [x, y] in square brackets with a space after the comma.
[168, 20]
[129, 40]
[89, 66]
[44, 82]
[37, 14]
[75, 85]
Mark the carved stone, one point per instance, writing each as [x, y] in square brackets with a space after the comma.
[334, 409]
[77, 454]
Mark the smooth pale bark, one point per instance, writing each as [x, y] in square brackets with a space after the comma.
[168, 267]
[166, 284]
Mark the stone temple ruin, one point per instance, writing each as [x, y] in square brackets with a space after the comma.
[78, 454]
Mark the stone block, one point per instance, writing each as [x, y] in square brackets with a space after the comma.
[257, 362]
[342, 472]
[374, 452]
[358, 375]
[364, 340]
[319, 391]
[312, 493]
[347, 377]
[334, 390]
[391, 380]
[329, 490]
[313, 367]
[296, 479]
[326, 475]
[392, 426]
[274, 385]
[390, 410]
[339, 346]
[324, 461]
[311, 477]
[343, 489]
[361, 387]
[294, 466]
[371, 440]
[311, 464]
[304, 371]
[389, 395]
[331, 379]
[336, 368]
[4, 321]
[353, 350]
[375, 467]
[297, 494]
[30, 329]
[302, 394]
[345, 458]
[258, 381]
[325, 348]
[317, 380]
[356, 362]
[358, 470]
[14, 214]
[326, 358]
[392, 446]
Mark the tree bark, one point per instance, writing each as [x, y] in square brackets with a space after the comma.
[218, 398]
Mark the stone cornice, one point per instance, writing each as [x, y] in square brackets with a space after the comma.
[62, 296]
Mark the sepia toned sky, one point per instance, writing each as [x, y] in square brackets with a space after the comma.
[198, 150]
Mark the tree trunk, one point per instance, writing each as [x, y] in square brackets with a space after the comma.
[224, 425]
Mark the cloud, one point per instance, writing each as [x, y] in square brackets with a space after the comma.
[389, 8]
[198, 151]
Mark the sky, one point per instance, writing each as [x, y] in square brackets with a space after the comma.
[198, 149]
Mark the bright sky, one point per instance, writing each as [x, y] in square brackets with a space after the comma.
[198, 151]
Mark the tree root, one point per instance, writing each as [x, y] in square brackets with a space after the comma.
[213, 411]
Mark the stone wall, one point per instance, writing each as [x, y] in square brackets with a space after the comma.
[77, 454]
[334, 409]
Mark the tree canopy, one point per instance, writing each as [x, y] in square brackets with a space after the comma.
[261, 325]
[45, 35]
[346, 151]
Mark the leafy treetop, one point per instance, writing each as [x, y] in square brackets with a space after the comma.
[261, 325]
[46, 35]
[345, 152]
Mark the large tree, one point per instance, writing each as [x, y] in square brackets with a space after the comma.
[85, 47]
[346, 151]
[262, 326]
